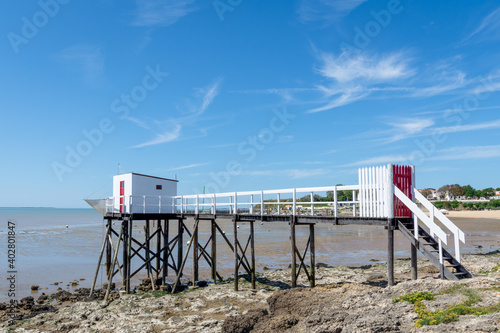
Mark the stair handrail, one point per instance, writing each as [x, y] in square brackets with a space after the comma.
[458, 234]
[433, 227]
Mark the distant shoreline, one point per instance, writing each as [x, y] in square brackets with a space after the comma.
[475, 214]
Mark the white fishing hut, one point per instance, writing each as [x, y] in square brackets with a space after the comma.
[137, 193]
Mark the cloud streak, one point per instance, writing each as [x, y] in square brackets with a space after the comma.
[160, 12]
[86, 58]
[175, 125]
[488, 29]
[326, 10]
[450, 154]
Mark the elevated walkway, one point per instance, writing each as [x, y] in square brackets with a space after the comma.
[385, 196]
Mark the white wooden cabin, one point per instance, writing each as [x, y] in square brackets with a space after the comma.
[137, 193]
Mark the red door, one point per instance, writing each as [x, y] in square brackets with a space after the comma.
[122, 193]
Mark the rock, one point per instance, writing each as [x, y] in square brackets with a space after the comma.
[35, 287]
[202, 284]
[105, 286]
[245, 323]
[27, 303]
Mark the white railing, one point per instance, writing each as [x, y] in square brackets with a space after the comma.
[284, 202]
[373, 193]
[418, 214]
[140, 204]
[458, 234]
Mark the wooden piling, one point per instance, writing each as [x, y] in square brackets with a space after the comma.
[108, 247]
[390, 252]
[195, 252]
[236, 257]
[252, 254]
[104, 243]
[180, 244]
[125, 253]
[312, 251]
[293, 245]
[158, 249]
[414, 265]
[129, 250]
[165, 251]
[147, 247]
[183, 261]
[113, 263]
[213, 263]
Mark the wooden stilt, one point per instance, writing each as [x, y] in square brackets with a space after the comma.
[213, 263]
[414, 265]
[180, 244]
[252, 254]
[294, 248]
[147, 248]
[165, 251]
[125, 253]
[390, 252]
[312, 251]
[236, 257]
[148, 262]
[129, 250]
[195, 252]
[115, 257]
[108, 248]
[104, 243]
[183, 262]
[158, 249]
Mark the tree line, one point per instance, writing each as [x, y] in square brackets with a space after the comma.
[467, 191]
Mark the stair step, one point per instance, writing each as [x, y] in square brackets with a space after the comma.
[460, 273]
[454, 265]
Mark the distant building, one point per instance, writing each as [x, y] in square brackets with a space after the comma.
[432, 193]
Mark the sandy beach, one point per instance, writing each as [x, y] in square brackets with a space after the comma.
[475, 214]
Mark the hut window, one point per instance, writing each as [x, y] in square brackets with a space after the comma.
[158, 187]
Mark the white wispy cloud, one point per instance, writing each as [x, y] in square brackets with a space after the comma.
[326, 10]
[406, 128]
[468, 128]
[409, 128]
[467, 153]
[450, 154]
[86, 58]
[348, 67]
[168, 136]
[161, 12]
[171, 129]
[489, 28]
[189, 166]
[354, 77]
[287, 173]
[447, 82]
[384, 159]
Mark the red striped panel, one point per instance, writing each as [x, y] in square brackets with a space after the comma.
[403, 180]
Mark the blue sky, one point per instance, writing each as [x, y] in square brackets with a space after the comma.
[244, 95]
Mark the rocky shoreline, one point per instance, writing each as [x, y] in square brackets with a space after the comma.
[346, 299]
